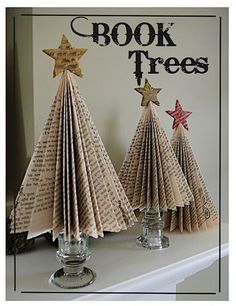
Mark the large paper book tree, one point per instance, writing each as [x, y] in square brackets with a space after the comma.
[151, 175]
[201, 213]
[70, 183]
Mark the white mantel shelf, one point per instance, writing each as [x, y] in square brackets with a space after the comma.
[120, 266]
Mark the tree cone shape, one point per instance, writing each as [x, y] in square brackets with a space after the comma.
[151, 175]
[70, 182]
[201, 213]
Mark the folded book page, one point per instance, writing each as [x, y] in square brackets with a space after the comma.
[201, 213]
[70, 183]
[151, 175]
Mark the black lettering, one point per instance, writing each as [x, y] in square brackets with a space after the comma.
[153, 64]
[202, 65]
[151, 34]
[171, 62]
[138, 63]
[188, 62]
[115, 34]
[74, 30]
[164, 34]
[96, 33]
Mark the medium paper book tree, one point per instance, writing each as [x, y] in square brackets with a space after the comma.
[151, 175]
[70, 187]
[201, 213]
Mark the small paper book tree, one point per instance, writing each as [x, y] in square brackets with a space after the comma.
[201, 213]
[70, 187]
[151, 175]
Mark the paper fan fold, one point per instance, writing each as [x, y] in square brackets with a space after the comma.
[70, 182]
[150, 174]
[201, 213]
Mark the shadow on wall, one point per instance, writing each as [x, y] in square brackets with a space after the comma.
[20, 155]
[10, 111]
[19, 99]
[17, 160]
[111, 139]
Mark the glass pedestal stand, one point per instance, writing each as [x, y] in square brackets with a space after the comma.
[153, 225]
[72, 256]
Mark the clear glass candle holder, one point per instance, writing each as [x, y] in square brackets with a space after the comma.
[72, 256]
[153, 225]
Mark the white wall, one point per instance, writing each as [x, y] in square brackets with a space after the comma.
[108, 82]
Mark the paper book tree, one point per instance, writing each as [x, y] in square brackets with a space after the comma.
[70, 184]
[201, 213]
[151, 175]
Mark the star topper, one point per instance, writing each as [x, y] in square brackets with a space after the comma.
[180, 116]
[66, 57]
[149, 94]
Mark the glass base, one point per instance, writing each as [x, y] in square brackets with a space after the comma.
[153, 242]
[153, 225]
[72, 256]
[72, 281]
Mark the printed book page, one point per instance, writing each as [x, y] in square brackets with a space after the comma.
[201, 213]
[150, 174]
[70, 183]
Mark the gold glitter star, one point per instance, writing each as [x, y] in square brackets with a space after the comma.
[66, 57]
[149, 94]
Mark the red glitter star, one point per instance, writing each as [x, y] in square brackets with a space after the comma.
[179, 116]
